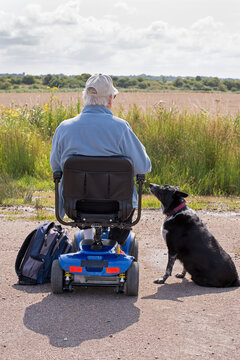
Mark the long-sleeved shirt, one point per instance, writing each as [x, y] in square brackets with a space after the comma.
[97, 132]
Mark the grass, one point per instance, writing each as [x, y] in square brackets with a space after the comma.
[199, 203]
[199, 153]
[41, 205]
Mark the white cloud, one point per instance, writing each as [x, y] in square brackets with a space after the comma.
[65, 41]
[207, 24]
[125, 7]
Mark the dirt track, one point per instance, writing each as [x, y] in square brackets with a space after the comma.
[178, 320]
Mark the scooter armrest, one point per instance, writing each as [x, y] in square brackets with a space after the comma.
[140, 178]
[57, 176]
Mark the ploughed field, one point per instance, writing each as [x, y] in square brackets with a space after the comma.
[212, 103]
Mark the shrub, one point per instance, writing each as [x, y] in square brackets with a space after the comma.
[28, 80]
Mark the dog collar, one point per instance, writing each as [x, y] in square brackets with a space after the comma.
[179, 207]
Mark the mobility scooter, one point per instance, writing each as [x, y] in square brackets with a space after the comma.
[97, 193]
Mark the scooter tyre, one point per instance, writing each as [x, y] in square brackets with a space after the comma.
[56, 277]
[132, 280]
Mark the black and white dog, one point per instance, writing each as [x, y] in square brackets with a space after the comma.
[189, 240]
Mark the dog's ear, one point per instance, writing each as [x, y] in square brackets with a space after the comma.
[180, 194]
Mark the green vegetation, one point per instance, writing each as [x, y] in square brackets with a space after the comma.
[199, 153]
[199, 203]
[40, 205]
[22, 82]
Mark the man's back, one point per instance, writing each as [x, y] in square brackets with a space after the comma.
[96, 132]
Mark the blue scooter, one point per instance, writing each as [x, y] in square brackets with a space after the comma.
[100, 261]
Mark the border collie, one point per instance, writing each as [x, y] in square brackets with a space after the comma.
[189, 241]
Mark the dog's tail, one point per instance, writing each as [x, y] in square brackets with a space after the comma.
[236, 282]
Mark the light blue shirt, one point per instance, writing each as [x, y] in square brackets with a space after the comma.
[96, 132]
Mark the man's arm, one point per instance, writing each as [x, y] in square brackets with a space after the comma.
[55, 155]
[132, 147]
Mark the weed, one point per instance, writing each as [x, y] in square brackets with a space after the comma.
[28, 197]
[38, 205]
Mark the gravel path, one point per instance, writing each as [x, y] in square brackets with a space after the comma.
[177, 320]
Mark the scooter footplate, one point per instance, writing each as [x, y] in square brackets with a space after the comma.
[95, 280]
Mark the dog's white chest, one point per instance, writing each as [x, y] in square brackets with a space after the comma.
[164, 233]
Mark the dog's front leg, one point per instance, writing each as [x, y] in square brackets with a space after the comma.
[171, 261]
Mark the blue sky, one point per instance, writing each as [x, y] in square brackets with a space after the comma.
[171, 37]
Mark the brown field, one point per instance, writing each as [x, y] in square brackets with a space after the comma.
[213, 103]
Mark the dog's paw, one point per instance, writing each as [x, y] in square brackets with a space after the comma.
[180, 275]
[159, 281]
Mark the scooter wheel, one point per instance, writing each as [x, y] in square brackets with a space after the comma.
[56, 277]
[133, 248]
[132, 280]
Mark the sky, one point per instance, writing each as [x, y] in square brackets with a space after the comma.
[128, 37]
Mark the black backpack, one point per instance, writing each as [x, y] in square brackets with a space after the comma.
[39, 249]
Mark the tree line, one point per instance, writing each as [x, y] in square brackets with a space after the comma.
[22, 82]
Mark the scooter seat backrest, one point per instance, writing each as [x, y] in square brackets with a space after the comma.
[98, 188]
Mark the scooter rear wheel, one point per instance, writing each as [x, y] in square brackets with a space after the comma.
[56, 277]
[132, 280]
[133, 248]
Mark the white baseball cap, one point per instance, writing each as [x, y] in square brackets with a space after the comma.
[100, 85]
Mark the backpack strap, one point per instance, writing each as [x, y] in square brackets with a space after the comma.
[42, 232]
[22, 251]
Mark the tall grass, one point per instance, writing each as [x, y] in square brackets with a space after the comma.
[195, 151]
[26, 135]
[199, 153]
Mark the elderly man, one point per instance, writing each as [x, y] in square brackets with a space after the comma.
[96, 132]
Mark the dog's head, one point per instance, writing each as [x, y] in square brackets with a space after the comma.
[169, 196]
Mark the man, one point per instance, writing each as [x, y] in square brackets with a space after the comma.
[96, 132]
